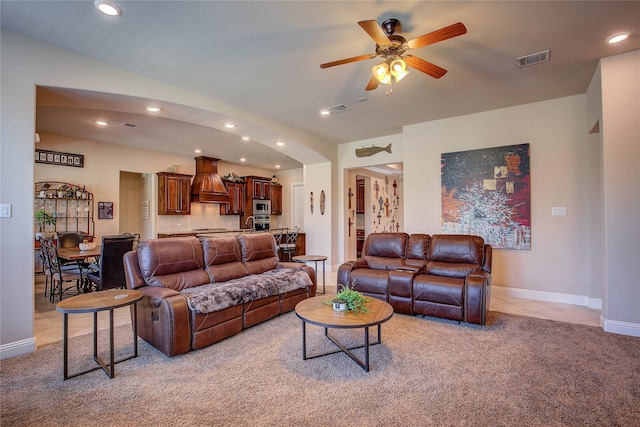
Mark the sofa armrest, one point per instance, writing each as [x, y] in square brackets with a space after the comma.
[302, 266]
[477, 297]
[344, 271]
[163, 320]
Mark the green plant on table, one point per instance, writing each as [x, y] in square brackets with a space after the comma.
[43, 218]
[355, 300]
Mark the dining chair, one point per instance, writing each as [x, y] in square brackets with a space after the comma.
[58, 274]
[289, 247]
[69, 239]
[136, 239]
[279, 235]
[44, 255]
[110, 274]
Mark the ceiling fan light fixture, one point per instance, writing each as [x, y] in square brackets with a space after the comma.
[381, 72]
[399, 69]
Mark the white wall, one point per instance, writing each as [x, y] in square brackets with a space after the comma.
[318, 227]
[621, 159]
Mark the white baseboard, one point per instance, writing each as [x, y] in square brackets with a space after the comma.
[17, 348]
[613, 326]
[594, 303]
[617, 327]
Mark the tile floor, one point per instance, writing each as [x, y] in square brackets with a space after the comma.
[48, 321]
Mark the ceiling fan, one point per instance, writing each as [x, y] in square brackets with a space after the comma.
[393, 49]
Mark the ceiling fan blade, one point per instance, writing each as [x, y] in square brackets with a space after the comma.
[445, 33]
[424, 66]
[373, 83]
[347, 60]
[375, 31]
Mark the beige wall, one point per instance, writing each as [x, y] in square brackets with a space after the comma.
[620, 127]
[556, 133]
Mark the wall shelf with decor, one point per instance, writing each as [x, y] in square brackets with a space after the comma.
[69, 204]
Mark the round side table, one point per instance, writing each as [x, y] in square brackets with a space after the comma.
[316, 259]
[93, 303]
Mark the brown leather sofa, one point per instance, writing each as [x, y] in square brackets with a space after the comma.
[443, 275]
[200, 291]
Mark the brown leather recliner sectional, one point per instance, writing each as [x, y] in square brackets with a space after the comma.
[443, 275]
[200, 291]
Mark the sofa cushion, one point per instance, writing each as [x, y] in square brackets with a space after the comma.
[438, 290]
[454, 255]
[370, 281]
[417, 249]
[218, 296]
[222, 258]
[259, 252]
[384, 251]
[456, 248]
[175, 263]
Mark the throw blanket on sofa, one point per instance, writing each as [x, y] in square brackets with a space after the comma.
[217, 296]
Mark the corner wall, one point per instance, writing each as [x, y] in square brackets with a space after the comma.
[620, 127]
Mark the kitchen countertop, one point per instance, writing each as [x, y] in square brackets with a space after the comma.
[203, 232]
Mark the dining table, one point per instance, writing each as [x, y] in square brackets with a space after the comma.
[80, 257]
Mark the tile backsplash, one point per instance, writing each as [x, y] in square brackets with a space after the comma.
[203, 215]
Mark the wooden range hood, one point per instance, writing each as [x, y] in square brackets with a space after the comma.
[207, 186]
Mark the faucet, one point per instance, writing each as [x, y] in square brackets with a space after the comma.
[253, 222]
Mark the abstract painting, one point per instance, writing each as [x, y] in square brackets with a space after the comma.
[487, 192]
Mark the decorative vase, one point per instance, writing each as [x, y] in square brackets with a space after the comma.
[339, 305]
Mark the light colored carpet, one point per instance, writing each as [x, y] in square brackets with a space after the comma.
[514, 371]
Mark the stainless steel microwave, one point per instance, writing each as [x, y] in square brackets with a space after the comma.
[261, 207]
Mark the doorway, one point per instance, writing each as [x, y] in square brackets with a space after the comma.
[132, 203]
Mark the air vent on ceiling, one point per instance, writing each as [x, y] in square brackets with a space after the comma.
[534, 58]
[338, 108]
[129, 125]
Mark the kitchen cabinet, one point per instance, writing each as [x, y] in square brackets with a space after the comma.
[237, 194]
[276, 199]
[174, 194]
[261, 189]
[360, 196]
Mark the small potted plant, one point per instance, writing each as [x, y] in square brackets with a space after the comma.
[349, 299]
[43, 219]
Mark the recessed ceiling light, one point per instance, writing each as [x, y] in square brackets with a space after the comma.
[153, 109]
[242, 159]
[617, 38]
[108, 8]
[325, 112]
[101, 123]
[277, 166]
[197, 151]
[229, 125]
[245, 138]
[280, 143]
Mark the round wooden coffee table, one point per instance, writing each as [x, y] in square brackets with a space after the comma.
[93, 303]
[316, 312]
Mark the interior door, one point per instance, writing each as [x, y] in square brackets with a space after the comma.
[297, 205]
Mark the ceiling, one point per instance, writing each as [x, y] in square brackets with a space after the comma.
[261, 60]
